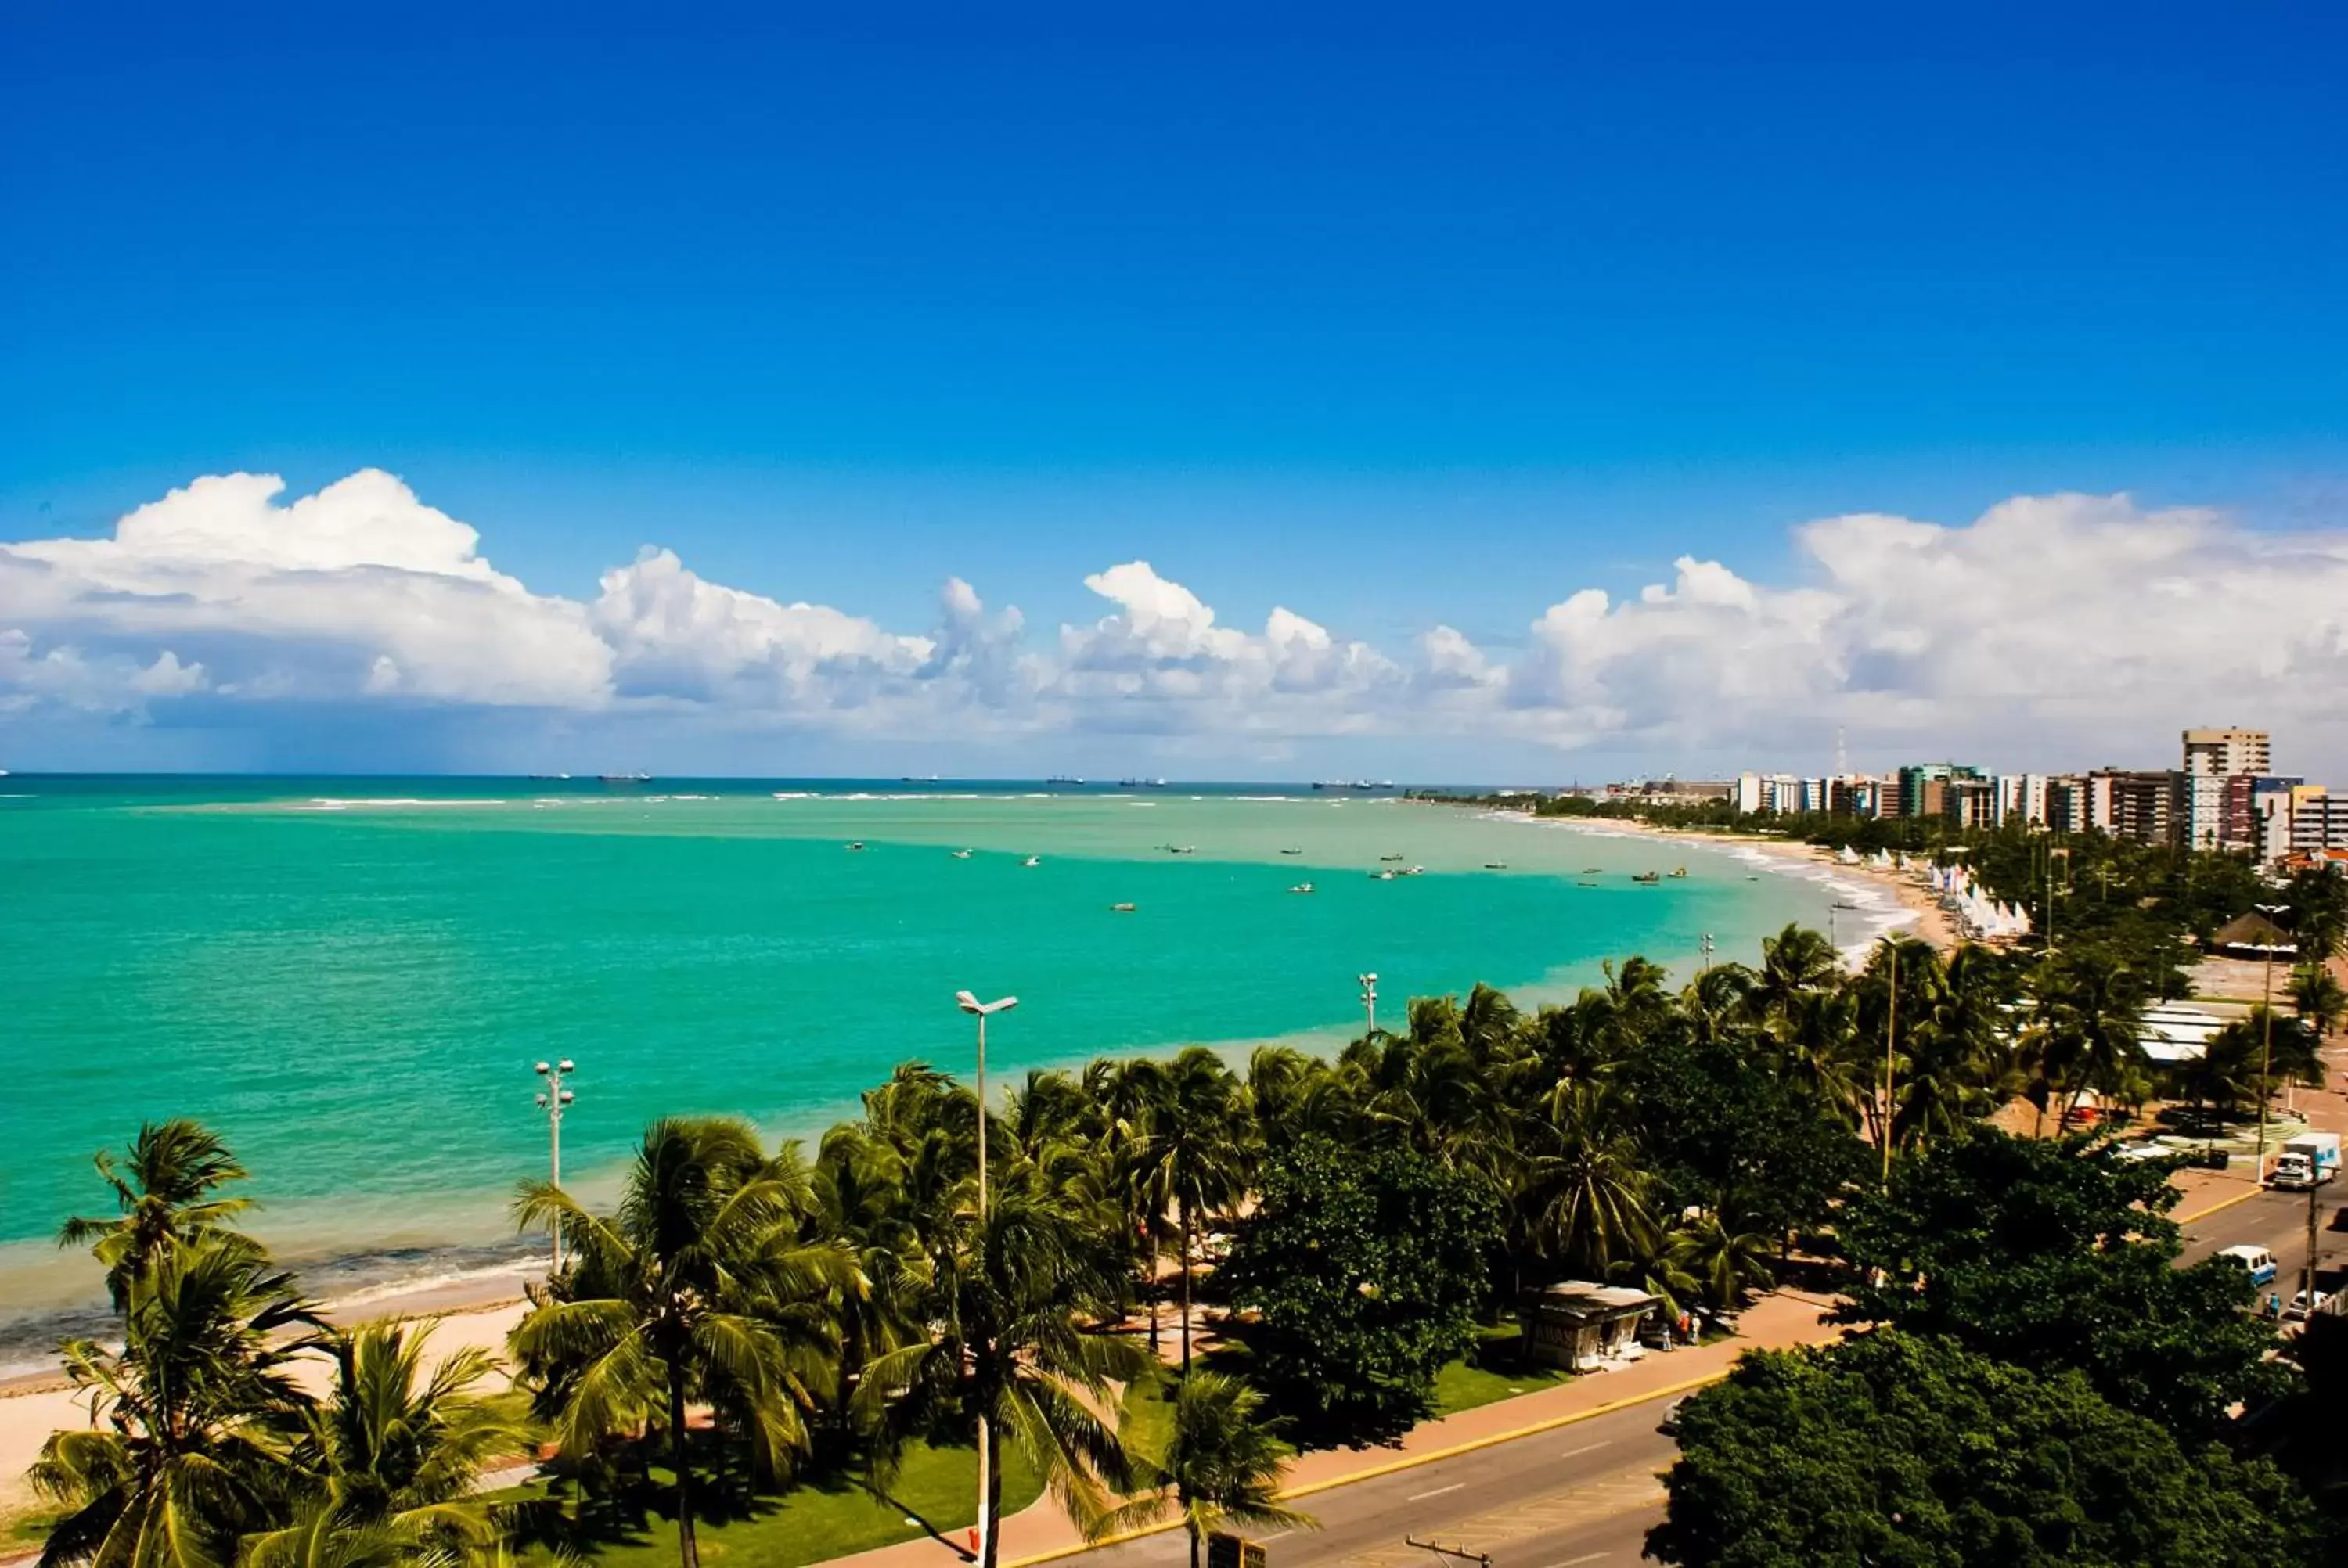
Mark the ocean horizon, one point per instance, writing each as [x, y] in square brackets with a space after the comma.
[351, 975]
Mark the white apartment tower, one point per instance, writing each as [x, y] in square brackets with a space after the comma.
[2219, 815]
[2227, 751]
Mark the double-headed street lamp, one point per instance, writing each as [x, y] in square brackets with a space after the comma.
[1370, 1005]
[982, 1011]
[552, 1100]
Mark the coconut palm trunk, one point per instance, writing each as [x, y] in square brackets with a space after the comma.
[1185, 1258]
[688, 1547]
[994, 1531]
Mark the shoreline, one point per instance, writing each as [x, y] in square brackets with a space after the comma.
[1929, 922]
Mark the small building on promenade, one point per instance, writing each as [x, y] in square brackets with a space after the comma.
[1578, 1325]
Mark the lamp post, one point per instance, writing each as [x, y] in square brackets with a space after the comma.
[552, 1100]
[2265, 1020]
[1891, 1033]
[1369, 1005]
[1705, 947]
[980, 1010]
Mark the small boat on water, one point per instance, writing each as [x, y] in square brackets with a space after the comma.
[1302, 888]
[1033, 860]
[1122, 909]
[1593, 871]
[1383, 875]
[855, 843]
[1182, 849]
[1648, 878]
[1681, 872]
[1389, 857]
[1585, 884]
[961, 854]
[1496, 866]
[1292, 852]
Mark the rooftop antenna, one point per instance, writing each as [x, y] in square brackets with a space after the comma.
[1842, 758]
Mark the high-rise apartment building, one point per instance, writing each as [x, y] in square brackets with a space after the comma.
[2135, 804]
[2214, 808]
[2223, 752]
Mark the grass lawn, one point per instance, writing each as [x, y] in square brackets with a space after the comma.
[1491, 1372]
[809, 1524]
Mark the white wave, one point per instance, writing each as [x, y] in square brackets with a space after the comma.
[331, 803]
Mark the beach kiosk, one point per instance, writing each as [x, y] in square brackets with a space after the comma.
[1578, 1325]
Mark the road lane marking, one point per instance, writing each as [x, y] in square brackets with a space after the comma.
[1275, 1535]
[1584, 1448]
[2213, 1208]
[1585, 1557]
[1439, 1492]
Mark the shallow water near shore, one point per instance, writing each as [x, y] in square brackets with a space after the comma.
[351, 979]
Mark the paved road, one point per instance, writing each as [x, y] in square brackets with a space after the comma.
[2278, 1221]
[1579, 1494]
[1584, 1496]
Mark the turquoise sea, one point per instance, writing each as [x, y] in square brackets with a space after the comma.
[352, 977]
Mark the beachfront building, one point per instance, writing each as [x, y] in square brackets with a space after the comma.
[1924, 786]
[2135, 803]
[2222, 752]
[2319, 819]
[2214, 789]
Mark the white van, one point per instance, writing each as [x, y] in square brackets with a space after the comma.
[2257, 1259]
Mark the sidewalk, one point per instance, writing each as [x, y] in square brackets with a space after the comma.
[1041, 1532]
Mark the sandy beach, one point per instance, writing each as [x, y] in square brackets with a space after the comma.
[1919, 912]
[477, 1315]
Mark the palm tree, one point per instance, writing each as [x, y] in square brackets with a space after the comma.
[1725, 1261]
[164, 1188]
[396, 1451]
[2318, 1000]
[1584, 1186]
[677, 1299]
[190, 1419]
[1795, 963]
[2090, 1021]
[1194, 1157]
[1011, 1297]
[1222, 1463]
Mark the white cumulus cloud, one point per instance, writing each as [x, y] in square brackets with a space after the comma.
[2078, 627]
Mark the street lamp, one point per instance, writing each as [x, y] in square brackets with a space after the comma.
[2266, 1044]
[552, 1100]
[1706, 947]
[980, 1010]
[1370, 1004]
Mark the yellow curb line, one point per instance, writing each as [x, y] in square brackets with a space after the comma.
[2214, 1208]
[1411, 1462]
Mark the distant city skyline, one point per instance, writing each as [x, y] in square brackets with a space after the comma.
[1327, 394]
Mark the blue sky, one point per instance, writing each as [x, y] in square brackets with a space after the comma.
[1402, 319]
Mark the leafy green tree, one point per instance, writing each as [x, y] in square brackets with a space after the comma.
[684, 1296]
[1223, 1463]
[2057, 1256]
[165, 1193]
[190, 1420]
[1368, 1270]
[1895, 1449]
[1718, 1126]
[393, 1453]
